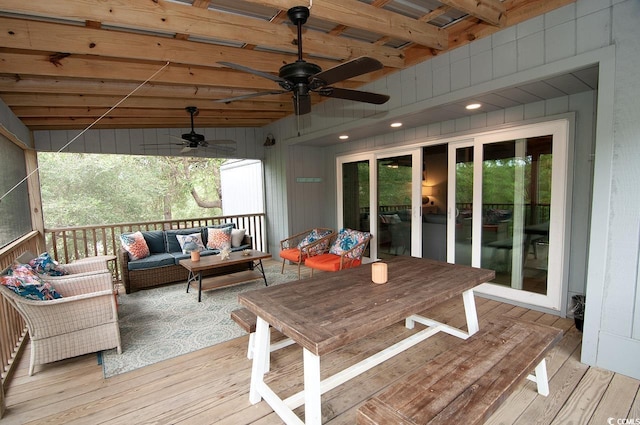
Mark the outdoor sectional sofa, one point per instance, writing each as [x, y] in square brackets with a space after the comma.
[162, 265]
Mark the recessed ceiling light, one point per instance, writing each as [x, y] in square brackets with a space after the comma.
[396, 124]
[343, 137]
[473, 106]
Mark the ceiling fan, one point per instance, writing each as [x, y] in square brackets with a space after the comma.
[301, 77]
[193, 140]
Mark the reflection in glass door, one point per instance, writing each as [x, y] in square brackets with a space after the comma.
[463, 205]
[355, 196]
[516, 206]
[394, 205]
[510, 210]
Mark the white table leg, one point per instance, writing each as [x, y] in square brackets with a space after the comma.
[260, 359]
[541, 378]
[470, 312]
[312, 391]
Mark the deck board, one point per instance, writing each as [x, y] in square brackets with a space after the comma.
[211, 385]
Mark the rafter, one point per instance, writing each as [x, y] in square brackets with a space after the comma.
[167, 17]
[355, 14]
[489, 11]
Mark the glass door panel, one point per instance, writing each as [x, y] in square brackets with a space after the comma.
[463, 205]
[394, 206]
[356, 197]
[516, 196]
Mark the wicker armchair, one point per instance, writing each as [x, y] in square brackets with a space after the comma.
[298, 247]
[84, 320]
[81, 267]
[351, 243]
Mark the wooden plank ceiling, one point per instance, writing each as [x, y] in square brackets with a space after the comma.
[64, 63]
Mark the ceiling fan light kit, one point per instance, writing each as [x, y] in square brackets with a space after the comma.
[302, 78]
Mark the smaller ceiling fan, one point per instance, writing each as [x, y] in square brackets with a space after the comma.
[301, 78]
[193, 140]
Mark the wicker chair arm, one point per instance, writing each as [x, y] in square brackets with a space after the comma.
[345, 260]
[294, 240]
[87, 265]
[316, 247]
[71, 285]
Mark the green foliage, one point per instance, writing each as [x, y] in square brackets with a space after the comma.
[90, 189]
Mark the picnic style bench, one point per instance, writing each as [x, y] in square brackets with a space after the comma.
[247, 321]
[469, 382]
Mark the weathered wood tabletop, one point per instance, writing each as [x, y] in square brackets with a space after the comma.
[331, 310]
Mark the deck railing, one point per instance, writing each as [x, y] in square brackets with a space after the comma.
[13, 332]
[70, 243]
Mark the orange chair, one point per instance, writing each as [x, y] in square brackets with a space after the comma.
[345, 251]
[296, 248]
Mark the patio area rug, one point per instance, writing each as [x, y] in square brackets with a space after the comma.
[161, 323]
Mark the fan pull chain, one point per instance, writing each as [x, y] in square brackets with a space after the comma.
[89, 127]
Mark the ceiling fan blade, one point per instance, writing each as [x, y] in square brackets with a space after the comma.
[161, 144]
[252, 71]
[218, 148]
[249, 96]
[302, 104]
[219, 142]
[358, 96]
[185, 149]
[344, 71]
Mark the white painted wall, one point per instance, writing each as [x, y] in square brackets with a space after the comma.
[242, 187]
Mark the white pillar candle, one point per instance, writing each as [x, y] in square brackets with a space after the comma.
[379, 272]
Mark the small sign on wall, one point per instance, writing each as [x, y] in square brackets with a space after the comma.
[308, 179]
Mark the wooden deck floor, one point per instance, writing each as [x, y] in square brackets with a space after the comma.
[210, 386]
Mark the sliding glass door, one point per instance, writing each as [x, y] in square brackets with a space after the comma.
[510, 208]
[381, 194]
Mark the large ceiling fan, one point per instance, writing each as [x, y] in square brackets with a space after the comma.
[193, 140]
[301, 77]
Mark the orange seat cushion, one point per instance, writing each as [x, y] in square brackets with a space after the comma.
[329, 262]
[291, 254]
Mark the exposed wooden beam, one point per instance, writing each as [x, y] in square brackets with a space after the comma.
[70, 112]
[93, 68]
[11, 84]
[36, 35]
[355, 14]
[54, 123]
[489, 11]
[96, 101]
[167, 17]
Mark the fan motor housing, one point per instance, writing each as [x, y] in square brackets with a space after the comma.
[193, 137]
[299, 71]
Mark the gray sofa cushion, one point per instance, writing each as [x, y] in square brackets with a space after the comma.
[152, 261]
[155, 241]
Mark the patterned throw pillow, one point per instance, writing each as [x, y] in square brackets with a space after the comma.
[196, 238]
[135, 245]
[22, 280]
[44, 264]
[219, 238]
[347, 239]
[313, 236]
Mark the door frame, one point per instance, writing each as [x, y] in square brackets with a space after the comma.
[559, 226]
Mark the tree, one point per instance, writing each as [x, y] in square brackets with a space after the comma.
[89, 189]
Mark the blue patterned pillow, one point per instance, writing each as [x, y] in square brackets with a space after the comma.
[346, 240]
[44, 264]
[22, 280]
[313, 236]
